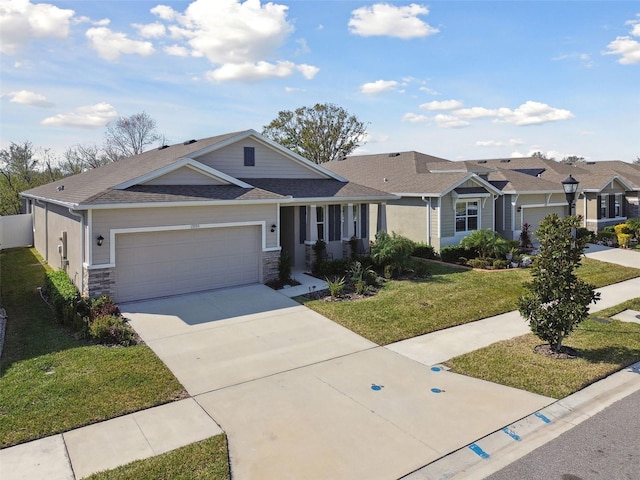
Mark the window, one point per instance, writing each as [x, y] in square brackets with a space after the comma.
[603, 206]
[335, 222]
[320, 222]
[466, 215]
[249, 156]
[617, 205]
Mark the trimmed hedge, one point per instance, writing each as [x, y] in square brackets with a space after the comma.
[454, 254]
[66, 300]
[422, 250]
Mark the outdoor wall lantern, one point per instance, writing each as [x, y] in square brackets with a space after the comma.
[100, 239]
[273, 228]
[570, 187]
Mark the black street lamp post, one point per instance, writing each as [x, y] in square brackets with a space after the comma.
[570, 187]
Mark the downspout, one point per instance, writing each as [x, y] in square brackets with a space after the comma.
[82, 246]
[46, 228]
[428, 202]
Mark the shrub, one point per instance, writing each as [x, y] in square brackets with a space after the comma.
[65, 299]
[422, 250]
[336, 286]
[111, 329]
[284, 267]
[453, 254]
[319, 250]
[361, 273]
[525, 236]
[479, 262]
[486, 242]
[604, 236]
[103, 305]
[332, 268]
[500, 264]
[634, 225]
[583, 232]
[392, 250]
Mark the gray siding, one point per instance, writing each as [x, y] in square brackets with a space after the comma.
[185, 176]
[269, 163]
[105, 220]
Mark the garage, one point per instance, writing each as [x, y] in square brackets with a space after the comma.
[534, 215]
[161, 263]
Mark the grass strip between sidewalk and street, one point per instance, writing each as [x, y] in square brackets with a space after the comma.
[451, 296]
[205, 460]
[603, 348]
[51, 382]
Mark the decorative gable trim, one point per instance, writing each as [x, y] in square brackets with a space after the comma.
[476, 179]
[274, 146]
[184, 162]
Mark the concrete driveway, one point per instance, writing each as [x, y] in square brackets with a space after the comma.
[302, 397]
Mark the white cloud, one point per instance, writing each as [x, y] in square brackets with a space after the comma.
[498, 143]
[377, 87]
[627, 47]
[476, 112]
[252, 72]
[240, 39]
[150, 30]
[97, 23]
[441, 105]
[110, 45]
[22, 21]
[89, 116]
[450, 121]
[25, 97]
[428, 90]
[532, 113]
[176, 50]
[415, 118]
[383, 19]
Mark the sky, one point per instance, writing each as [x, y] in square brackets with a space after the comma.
[455, 79]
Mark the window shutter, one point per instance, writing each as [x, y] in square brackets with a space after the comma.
[303, 224]
[598, 206]
[364, 228]
[611, 207]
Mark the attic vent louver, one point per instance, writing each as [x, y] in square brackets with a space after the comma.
[482, 161]
[188, 142]
[505, 160]
[394, 154]
[162, 147]
[591, 163]
[60, 188]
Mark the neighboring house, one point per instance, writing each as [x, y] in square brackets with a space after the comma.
[531, 188]
[440, 202]
[195, 216]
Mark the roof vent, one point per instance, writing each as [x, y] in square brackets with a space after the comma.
[188, 142]
[60, 188]
[591, 163]
[162, 147]
[394, 155]
[482, 161]
[505, 160]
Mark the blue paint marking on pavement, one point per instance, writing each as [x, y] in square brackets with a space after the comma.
[478, 451]
[435, 369]
[376, 388]
[511, 433]
[436, 390]
[542, 417]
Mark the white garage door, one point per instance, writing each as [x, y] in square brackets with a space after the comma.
[533, 216]
[156, 264]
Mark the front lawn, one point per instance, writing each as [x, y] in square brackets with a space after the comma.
[404, 309]
[51, 382]
[603, 348]
[206, 460]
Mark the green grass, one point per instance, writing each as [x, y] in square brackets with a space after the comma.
[49, 381]
[603, 349]
[207, 459]
[452, 296]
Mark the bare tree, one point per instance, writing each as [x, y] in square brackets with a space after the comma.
[320, 133]
[573, 159]
[129, 136]
[82, 157]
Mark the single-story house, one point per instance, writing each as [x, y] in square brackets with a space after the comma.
[531, 188]
[203, 214]
[439, 201]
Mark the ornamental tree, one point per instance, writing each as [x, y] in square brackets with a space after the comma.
[557, 301]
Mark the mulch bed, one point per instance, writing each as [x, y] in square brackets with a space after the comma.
[565, 353]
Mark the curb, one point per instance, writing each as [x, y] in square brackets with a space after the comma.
[498, 449]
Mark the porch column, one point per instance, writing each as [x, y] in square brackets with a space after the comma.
[349, 231]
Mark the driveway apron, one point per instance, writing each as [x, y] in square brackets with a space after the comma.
[302, 397]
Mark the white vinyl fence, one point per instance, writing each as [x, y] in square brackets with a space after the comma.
[16, 231]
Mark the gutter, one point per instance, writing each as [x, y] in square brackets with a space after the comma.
[82, 246]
